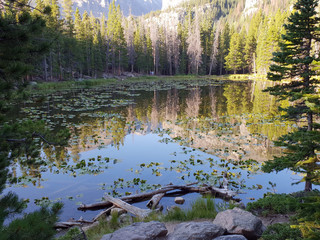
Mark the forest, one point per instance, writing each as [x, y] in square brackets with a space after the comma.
[201, 37]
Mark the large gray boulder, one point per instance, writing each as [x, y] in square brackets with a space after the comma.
[238, 221]
[196, 231]
[231, 237]
[139, 231]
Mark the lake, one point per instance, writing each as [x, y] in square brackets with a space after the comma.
[134, 137]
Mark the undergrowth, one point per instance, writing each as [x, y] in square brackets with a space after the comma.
[201, 208]
[305, 210]
[104, 227]
[280, 232]
[274, 204]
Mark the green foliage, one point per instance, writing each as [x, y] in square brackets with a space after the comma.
[275, 204]
[37, 224]
[72, 234]
[309, 215]
[294, 63]
[235, 58]
[21, 46]
[280, 232]
[10, 205]
[103, 228]
[201, 208]
[305, 207]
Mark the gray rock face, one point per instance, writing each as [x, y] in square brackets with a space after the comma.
[139, 231]
[196, 231]
[238, 221]
[231, 237]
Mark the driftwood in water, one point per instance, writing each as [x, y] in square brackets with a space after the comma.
[72, 223]
[103, 213]
[131, 198]
[154, 201]
[141, 213]
[218, 192]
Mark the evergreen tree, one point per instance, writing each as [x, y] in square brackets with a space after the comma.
[115, 35]
[68, 15]
[224, 47]
[20, 33]
[293, 66]
[206, 23]
[251, 42]
[235, 58]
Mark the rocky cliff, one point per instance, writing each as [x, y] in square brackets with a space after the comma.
[171, 3]
[99, 7]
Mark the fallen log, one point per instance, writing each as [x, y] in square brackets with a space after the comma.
[103, 213]
[72, 223]
[218, 192]
[131, 198]
[66, 224]
[154, 201]
[141, 213]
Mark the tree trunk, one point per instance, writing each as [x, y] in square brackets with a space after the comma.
[45, 68]
[119, 62]
[51, 67]
[308, 185]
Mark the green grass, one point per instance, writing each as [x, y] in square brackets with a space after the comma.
[48, 87]
[201, 208]
[103, 228]
[73, 233]
[63, 85]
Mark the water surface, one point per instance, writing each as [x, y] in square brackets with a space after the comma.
[136, 137]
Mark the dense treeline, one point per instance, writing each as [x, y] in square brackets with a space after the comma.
[201, 38]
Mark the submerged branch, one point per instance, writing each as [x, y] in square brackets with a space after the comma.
[217, 192]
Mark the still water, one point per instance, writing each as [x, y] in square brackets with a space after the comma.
[128, 138]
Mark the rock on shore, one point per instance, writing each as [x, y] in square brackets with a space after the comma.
[235, 224]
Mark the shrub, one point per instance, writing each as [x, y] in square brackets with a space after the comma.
[280, 231]
[275, 203]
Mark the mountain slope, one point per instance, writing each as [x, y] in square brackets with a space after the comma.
[136, 7]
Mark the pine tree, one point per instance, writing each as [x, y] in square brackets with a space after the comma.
[224, 47]
[251, 42]
[293, 66]
[68, 15]
[20, 44]
[235, 58]
[115, 35]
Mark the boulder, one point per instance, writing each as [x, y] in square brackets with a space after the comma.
[238, 221]
[196, 231]
[179, 200]
[231, 237]
[139, 231]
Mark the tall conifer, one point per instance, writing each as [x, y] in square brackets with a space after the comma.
[293, 66]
